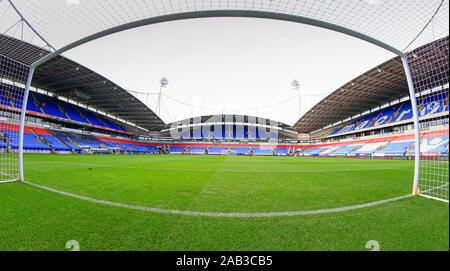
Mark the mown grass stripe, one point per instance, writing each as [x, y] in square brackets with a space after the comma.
[228, 170]
[220, 214]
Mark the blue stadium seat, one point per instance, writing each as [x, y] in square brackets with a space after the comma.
[55, 144]
[345, 150]
[30, 142]
[434, 145]
[396, 147]
[399, 112]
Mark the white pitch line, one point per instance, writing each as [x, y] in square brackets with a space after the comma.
[423, 193]
[220, 214]
[435, 198]
[9, 181]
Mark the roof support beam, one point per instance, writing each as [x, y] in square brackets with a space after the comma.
[112, 98]
[53, 75]
[79, 85]
[398, 75]
[403, 86]
[71, 78]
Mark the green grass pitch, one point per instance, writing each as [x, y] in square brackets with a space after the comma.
[35, 219]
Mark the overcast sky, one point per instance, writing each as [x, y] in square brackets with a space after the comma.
[230, 65]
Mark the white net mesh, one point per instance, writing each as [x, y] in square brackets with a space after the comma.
[429, 69]
[396, 23]
[404, 25]
[12, 76]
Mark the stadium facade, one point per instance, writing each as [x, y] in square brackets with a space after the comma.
[370, 116]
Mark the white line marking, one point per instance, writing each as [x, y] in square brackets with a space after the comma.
[423, 193]
[219, 214]
[435, 198]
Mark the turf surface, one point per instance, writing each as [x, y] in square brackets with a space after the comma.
[35, 219]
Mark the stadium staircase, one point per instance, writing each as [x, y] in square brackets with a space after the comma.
[11, 99]
[66, 140]
[395, 114]
[134, 147]
[41, 139]
[5, 138]
[358, 148]
[63, 111]
[375, 119]
[411, 148]
[64, 144]
[84, 116]
[420, 107]
[381, 148]
[37, 103]
[102, 122]
[340, 148]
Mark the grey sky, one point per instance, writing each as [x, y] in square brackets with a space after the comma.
[228, 65]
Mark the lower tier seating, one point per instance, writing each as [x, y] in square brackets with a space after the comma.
[38, 139]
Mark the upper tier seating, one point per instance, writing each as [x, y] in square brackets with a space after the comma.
[10, 97]
[399, 112]
[43, 104]
[48, 105]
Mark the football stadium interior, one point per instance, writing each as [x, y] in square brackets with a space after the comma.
[82, 158]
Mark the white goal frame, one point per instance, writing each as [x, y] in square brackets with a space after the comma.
[227, 13]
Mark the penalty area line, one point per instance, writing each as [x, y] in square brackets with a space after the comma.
[9, 181]
[220, 214]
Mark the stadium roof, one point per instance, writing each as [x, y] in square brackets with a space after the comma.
[382, 84]
[69, 79]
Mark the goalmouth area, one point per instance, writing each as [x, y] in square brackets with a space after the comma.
[217, 184]
[84, 161]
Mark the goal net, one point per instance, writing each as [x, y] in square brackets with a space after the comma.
[418, 29]
[12, 77]
[429, 65]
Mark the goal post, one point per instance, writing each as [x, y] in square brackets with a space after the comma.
[412, 96]
[13, 75]
[22, 120]
[427, 59]
[429, 69]
[417, 33]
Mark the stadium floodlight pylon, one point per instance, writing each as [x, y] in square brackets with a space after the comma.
[396, 25]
